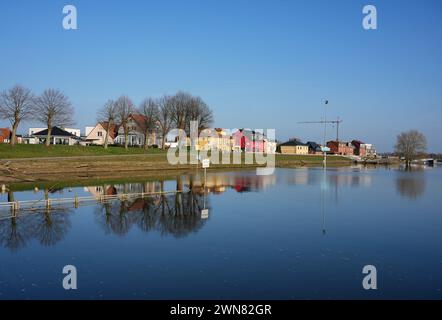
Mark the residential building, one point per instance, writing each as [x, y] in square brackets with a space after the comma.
[224, 141]
[75, 132]
[136, 132]
[29, 140]
[214, 139]
[31, 131]
[248, 141]
[97, 135]
[294, 147]
[341, 148]
[58, 136]
[314, 148]
[370, 150]
[270, 146]
[359, 148]
[5, 135]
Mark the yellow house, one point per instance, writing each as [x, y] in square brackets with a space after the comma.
[224, 141]
[214, 139]
[294, 147]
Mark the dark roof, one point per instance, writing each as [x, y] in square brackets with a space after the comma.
[293, 143]
[357, 143]
[313, 145]
[56, 131]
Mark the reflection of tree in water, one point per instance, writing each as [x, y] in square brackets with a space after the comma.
[411, 187]
[51, 226]
[48, 228]
[14, 233]
[177, 214]
[113, 218]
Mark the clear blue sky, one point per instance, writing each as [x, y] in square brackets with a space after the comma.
[258, 64]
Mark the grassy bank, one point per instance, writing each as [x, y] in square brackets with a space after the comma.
[64, 163]
[38, 151]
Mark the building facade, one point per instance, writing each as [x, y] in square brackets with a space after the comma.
[341, 148]
[294, 147]
[136, 125]
[97, 135]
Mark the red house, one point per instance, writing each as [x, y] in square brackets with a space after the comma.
[341, 148]
[248, 141]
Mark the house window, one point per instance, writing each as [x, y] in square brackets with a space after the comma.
[100, 134]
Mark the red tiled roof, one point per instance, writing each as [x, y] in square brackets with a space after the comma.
[140, 120]
[113, 130]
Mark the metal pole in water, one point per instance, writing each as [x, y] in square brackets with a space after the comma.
[76, 202]
[325, 132]
[205, 179]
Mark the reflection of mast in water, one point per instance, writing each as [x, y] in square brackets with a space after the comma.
[323, 198]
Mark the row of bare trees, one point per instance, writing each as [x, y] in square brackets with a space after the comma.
[51, 108]
[160, 114]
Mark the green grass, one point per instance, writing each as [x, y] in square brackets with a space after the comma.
[37, 151]
[310, 158]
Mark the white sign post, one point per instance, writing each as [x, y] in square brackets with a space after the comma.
[205, 212]
[206, 163]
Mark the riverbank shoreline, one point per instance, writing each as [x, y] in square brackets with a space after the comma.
[40, 170]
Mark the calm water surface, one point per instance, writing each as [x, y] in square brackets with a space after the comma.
[298, 234]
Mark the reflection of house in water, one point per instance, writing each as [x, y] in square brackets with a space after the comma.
[146, 187]
[219, 182]
[98, 191]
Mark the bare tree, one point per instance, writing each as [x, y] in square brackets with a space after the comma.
[149, 109]
[53, 108]
[16, 105]
[180, 106]
[107, 115]
[124, 109]
[165, 120]
[199, 111]
[409, 144]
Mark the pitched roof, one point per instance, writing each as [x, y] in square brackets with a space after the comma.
[357, 143]
[140, 120]
[113, 132]
[293, 143]
[250, 134]
[56, 131]
[313, 145]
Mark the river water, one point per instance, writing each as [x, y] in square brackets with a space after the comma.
[297, 234]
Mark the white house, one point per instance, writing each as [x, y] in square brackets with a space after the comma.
[75, 132]
[97, 135]
[35, 130]
[58, 136]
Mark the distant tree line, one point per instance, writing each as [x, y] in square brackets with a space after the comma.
[53, 108]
